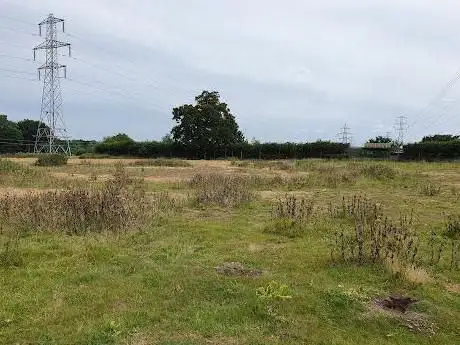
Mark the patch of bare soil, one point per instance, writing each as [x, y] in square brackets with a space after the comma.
[71, 176]
[454, 288]
[236, 269]
[397, 307]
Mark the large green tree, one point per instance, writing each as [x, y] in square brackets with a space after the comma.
[206, 126]
[10, 136]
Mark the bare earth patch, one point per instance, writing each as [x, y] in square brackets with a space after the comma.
[414, 321]
[236, 269]
[454, 288]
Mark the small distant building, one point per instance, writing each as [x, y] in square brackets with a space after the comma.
[379, 146]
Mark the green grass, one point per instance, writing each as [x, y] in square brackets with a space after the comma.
[159, 285]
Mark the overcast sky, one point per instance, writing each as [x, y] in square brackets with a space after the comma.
[291, 70]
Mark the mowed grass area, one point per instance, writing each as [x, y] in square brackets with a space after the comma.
[106, 274]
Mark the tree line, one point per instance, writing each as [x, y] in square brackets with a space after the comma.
[208, 130]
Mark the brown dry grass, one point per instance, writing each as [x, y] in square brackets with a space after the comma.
[411, 274]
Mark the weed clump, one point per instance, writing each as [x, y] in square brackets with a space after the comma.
[274, 290]
[290, 216]
[374, 237]
[222, 190]
[119, 204]
[431, 189]
[453, 228]
[51, 159]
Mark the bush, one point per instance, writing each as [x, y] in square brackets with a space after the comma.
[222, 190]
[52, 159]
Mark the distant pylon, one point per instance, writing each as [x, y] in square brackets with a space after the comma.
[52, 133]
[401, 128]
[345, 135]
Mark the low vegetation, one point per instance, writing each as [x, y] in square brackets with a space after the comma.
[221, 190]
[172, 163]
[51, 159]
[320, 252]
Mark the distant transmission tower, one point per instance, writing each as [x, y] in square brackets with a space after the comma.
[401, 128]
[345, 135]
[52, 133]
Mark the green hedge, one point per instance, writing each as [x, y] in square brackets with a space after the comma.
[153, 149]
[432, 150]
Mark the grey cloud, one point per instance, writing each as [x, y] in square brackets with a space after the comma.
[289, 71]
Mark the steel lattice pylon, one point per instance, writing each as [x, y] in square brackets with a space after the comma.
[52, 133]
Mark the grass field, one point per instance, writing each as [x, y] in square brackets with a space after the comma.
[137, 252]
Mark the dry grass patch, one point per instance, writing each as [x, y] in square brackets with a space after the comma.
[410, 273]
[222, 190]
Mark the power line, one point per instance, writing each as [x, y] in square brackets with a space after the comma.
[16, 20]
[16, 71]
[439, 96]
[20, 78]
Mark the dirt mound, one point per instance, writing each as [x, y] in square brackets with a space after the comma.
[236, 269]
[397, 307]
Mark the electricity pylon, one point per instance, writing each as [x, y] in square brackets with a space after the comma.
[52, 133]
[401, 128]
[345, 135]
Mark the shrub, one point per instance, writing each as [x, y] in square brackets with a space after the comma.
[52, 159]
[222, 190]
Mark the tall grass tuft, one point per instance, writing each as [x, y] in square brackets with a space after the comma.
[10, 255]
[7, 166]
[431, 189]
[222, 190]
